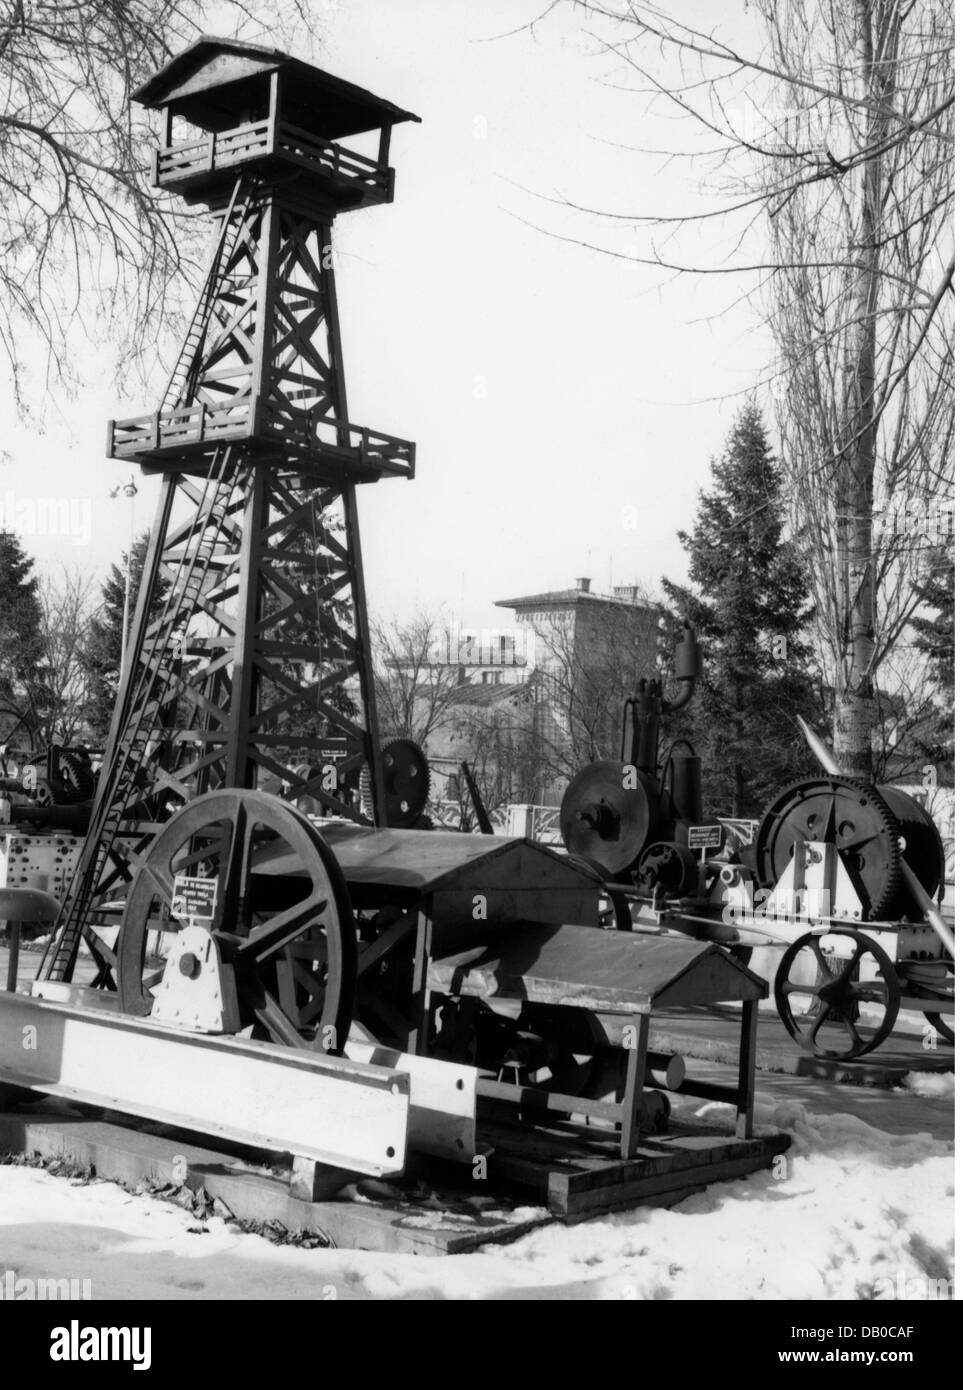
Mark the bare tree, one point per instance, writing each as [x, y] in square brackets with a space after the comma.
[504, 748]
[414, 691]
[59, 693]
[82, 236]
[865, 346]
[592, 659]
[825, 146]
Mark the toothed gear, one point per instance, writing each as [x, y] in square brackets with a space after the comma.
[847, 813]
[74, 773]
[407, 782]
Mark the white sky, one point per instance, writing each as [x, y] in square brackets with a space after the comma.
[550, 389]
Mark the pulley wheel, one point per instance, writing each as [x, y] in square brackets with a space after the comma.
[289, 939]
[839, 811]
[669, 866]
[606, 821]
[818, 995]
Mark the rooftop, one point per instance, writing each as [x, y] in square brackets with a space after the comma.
[475, 693]
[627, 595]
[212, 78]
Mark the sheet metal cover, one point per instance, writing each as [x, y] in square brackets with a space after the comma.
[592, 968]
[428, 860]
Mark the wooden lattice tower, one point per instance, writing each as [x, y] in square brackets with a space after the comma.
[249, 651]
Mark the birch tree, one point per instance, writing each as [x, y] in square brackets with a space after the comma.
[823, 145]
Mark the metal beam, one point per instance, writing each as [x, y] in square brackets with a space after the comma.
[348, 1114]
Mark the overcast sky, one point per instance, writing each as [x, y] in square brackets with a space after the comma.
[565, 404]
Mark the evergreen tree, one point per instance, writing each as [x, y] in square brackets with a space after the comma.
[935, 638]
[20, 641]
[749, 604]
[101, 658]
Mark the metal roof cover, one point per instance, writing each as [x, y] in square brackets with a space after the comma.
[213, 81]
[519, 879]
[586, 967]
[428, 861]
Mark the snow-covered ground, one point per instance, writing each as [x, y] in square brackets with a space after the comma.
[856, 1213]
[935, 1084]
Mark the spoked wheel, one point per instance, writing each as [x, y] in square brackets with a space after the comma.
[939, 1022]
[820, 1005]
[932, 977]
[288, 938]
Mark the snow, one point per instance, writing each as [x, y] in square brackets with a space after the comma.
[853, 1213]
[936, 1085]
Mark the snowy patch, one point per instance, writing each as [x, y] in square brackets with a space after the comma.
[935, 1085]
[849, 1212]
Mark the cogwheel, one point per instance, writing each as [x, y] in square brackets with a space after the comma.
[74, 774]
[407, 782]
[850, 814]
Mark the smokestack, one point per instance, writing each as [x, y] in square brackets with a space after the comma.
[583, 585]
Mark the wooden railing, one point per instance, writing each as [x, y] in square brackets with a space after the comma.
[353, 443]
[219, 150]
[182, 427]
[187, 428]
[225, 149]
[333, 159]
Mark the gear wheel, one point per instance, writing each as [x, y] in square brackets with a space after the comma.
[847, 813]
[407, 781]
[74, 773]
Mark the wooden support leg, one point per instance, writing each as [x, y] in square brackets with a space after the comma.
[316, 1182]
[747, 1069]
[13, 962]
[420, 998]
[634, 1085]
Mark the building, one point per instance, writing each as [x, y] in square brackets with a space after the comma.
[546, 690]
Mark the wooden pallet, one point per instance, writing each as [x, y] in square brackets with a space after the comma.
[578, 1174]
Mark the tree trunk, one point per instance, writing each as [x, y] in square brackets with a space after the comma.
[856, 559]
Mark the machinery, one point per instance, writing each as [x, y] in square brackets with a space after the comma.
[843, 872]
[641, 825]
[272, 940]
[48, 790]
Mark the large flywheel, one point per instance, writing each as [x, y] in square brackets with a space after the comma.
[286, 939]
[608, 813]
[836, 810]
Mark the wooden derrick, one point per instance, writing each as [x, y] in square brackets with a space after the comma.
[249, 654]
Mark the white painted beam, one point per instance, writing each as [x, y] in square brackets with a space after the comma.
[334, 1110]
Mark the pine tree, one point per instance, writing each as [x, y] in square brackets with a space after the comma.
[935, 638]
[20, 643]
[749, 604]
[102, 651]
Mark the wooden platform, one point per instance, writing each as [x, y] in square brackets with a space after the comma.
[436, 1210]
[576, 1177]
[357, 1214]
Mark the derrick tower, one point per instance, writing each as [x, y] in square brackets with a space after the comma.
[248, 661]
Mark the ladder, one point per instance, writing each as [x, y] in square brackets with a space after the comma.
[136, 718]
